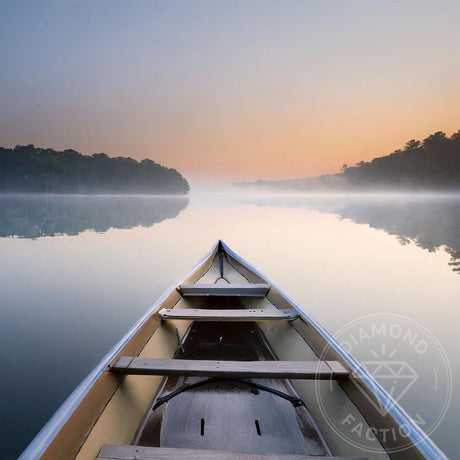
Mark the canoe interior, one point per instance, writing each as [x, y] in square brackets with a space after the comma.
[230, 415]
[222, 415]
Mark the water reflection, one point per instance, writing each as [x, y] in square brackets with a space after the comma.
[32, 216]
[430, 222]
[81, 294]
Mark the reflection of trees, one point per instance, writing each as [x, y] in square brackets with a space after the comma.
[32, 216]
[431, 223]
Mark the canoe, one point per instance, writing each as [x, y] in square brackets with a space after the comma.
[225, 365]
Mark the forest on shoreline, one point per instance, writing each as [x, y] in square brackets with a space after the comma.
[429, 165]
[29, 169]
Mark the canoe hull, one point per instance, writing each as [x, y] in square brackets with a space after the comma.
[108, 407]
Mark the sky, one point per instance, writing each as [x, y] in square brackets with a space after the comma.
[230, 90]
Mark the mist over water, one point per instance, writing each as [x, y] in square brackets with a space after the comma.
[77, 271]
[429, 220]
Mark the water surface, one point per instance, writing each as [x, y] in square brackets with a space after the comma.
[76, 272]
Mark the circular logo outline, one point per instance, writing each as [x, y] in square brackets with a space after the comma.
[421, 434]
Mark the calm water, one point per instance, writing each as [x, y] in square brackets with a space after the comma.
[76, 272]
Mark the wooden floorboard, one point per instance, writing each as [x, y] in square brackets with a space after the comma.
[111, 452]
[245, 369]
[199, 314]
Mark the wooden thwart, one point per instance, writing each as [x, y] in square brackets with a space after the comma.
[238, 290]
[247, 369]
[110, 452]
[198, 314]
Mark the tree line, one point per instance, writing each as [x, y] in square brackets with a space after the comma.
[433, 163]
[29, 169]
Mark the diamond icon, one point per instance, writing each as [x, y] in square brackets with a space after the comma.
[396, 377]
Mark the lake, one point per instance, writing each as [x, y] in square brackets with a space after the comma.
[77, 271]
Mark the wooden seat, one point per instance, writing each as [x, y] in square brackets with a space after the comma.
[197, 314]
[111, 452]
[233, 290]
[247, 369]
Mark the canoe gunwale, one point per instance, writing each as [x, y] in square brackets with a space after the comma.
[421, 441]
[51, 429]
[46, 435]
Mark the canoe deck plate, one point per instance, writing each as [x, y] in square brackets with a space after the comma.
[238, 290]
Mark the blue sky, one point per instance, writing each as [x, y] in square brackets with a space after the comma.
[237, 89]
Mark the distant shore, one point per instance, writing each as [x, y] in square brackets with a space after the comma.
[29, 169]
[432, 165]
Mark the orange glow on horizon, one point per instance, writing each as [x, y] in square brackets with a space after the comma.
[303, 146]
[243, 91]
